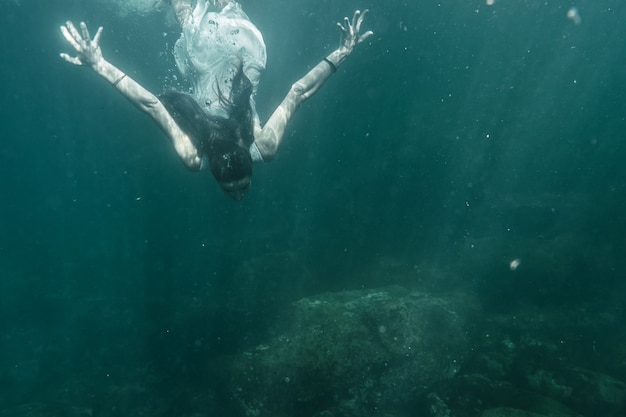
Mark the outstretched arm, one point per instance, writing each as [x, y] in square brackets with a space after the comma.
[89, 54]
[270, 137]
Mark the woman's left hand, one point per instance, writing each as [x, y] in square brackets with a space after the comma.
[350, 36]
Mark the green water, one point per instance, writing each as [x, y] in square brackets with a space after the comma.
[458, 138]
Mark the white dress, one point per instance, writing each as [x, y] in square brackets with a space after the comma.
[210, 50]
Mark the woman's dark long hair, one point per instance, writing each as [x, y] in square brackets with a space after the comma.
[225, 141]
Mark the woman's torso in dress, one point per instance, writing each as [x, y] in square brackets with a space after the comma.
[212, 48]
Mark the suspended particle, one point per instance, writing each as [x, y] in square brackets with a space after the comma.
[574, 16]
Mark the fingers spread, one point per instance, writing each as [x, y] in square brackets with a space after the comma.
[357, 26]
[86, 36]
[96, 38]
[71, 60]
[349, 27]
[68, 36]
[365, 36]
[355, 18]
[361, 19]
[72, 29]
[365, 12]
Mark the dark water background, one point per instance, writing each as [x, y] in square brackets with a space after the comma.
[461, 136]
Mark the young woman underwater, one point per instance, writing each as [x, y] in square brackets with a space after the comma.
[223, 55]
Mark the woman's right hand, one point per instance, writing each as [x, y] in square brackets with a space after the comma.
[87, 50]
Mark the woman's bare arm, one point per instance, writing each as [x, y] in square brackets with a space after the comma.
[89, 54]
[270, 136]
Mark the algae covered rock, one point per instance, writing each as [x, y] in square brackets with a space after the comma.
[355, 353]
[508, 412]
[585, 390]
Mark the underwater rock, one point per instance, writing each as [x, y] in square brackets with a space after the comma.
[355, 353]
[508, 412]
[598, 391]
[469, 394]
[37, 409]
[540, 361]
[584, 390]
